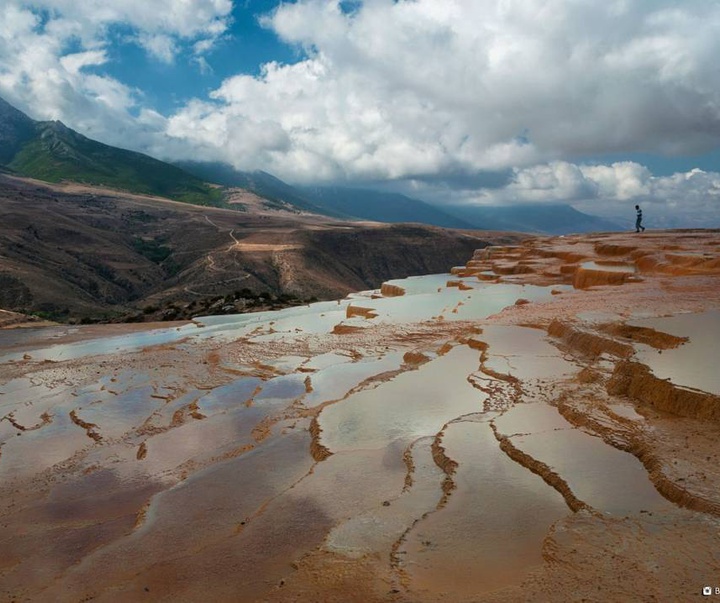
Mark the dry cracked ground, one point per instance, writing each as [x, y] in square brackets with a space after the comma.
[540, 425]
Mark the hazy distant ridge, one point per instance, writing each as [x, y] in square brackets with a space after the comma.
[392, 207]
[383, 206]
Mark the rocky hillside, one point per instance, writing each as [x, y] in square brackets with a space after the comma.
[74, 252]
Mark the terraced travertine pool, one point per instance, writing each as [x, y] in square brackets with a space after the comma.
[248, 457]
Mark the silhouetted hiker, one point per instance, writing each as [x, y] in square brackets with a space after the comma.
[638, 222]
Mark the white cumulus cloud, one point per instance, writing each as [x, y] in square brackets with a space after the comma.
[401, 89]
[683, 198]
[407, 90]
[43, 72]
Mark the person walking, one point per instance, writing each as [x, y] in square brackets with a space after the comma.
[638, 221]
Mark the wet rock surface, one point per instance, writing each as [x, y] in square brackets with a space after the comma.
[433, 440]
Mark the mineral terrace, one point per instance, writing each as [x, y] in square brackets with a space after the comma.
[541, 424]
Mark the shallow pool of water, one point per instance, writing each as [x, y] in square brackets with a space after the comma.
[524, 353]
[530, 418]
[609, 267]
[412, 405]
[491, 531]
[626, 411]
[334, 382]
[377, 529]
[693, 364]
[608, 479]
[232, 395]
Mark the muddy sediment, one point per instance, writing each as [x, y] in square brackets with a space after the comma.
[317, 450]
[448, 466]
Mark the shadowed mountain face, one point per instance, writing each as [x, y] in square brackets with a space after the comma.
[16, 129]
[382, 207]
[275, 193]
[52, 152]
[70, 251]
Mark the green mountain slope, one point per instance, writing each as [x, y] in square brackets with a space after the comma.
[52, 152]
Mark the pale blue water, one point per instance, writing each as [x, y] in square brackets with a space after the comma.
[422, 302]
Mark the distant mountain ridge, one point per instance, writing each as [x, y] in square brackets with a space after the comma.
[393, 207]
[382, 206]
[278, 194]
[50, 151]
[542, 218]
[388, 207]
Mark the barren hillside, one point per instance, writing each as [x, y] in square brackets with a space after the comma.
[77, 251]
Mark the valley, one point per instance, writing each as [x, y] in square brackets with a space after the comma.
[73, 252]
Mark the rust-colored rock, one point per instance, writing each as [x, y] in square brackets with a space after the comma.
[614, 249]
[317, 450]
[637, 381]
[648, 336]
[351, 311]
[584, 278]
[587, 342]
[391, 290]
[415, 358]
[342, 329]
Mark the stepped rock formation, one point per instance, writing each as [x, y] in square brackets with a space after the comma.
[539, 425]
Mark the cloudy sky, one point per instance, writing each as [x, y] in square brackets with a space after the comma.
[598, 103]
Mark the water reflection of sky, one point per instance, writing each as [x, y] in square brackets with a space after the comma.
[412, 405]
[422, 302]
[608, 479]
[693, 364]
